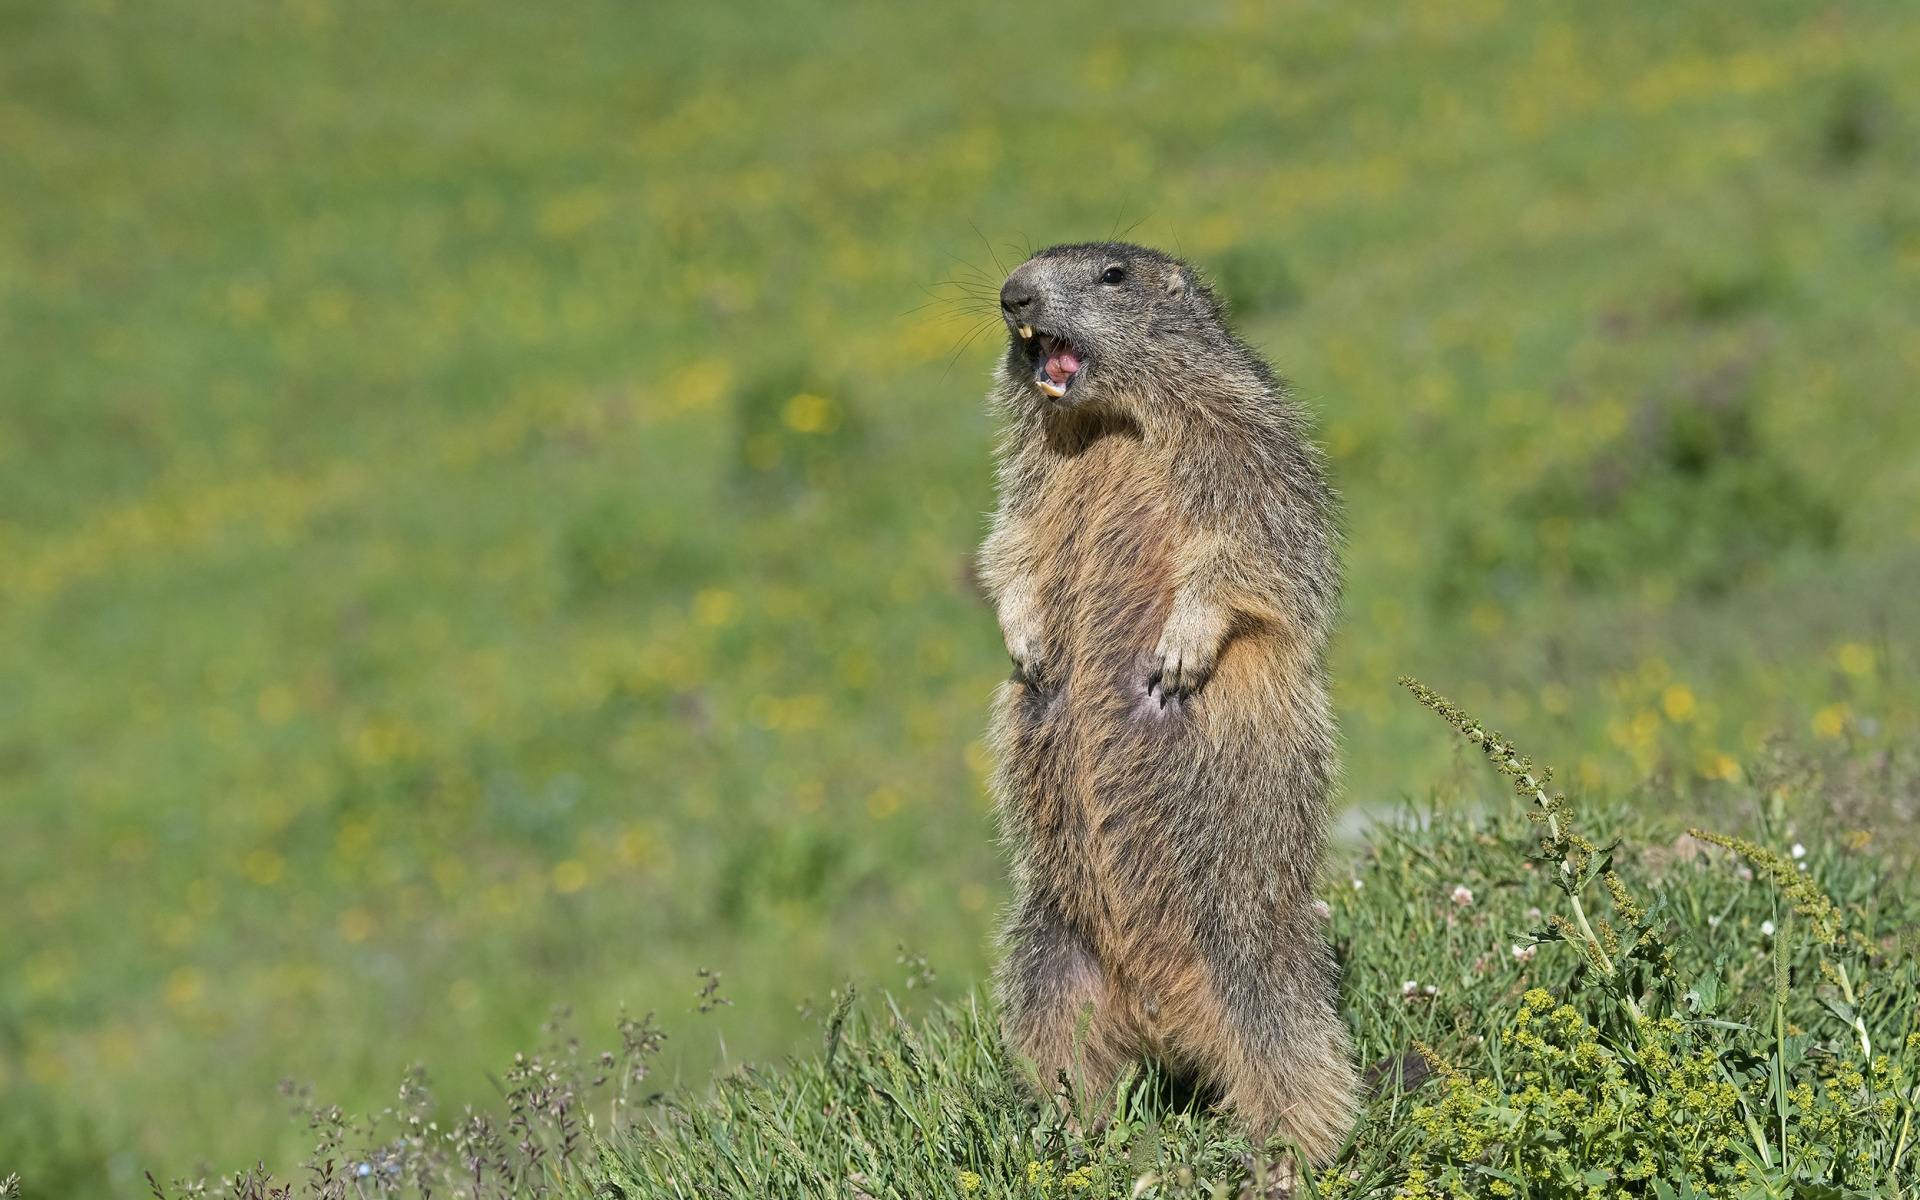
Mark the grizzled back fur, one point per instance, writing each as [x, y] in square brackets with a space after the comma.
[1164, 565]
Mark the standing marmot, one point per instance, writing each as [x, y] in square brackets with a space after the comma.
[1164, 567]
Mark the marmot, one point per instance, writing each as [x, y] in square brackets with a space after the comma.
[1164, 564]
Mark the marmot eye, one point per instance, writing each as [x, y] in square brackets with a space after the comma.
[1113, 274]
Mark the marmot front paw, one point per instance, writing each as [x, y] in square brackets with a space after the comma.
[1025, 645]
[1029, 656]
[1184, 660]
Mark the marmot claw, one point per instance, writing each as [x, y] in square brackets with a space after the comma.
[1178, 674]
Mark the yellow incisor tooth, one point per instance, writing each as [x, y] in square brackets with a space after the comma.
[1056, 390]
[1026, 331]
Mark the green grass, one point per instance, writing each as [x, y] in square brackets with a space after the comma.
[422, 599]
[1691, 1043]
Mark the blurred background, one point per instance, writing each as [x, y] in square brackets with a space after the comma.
[487, 489]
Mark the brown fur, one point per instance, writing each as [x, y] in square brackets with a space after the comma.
[1164, 565]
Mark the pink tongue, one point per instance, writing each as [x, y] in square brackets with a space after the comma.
[1062, 366]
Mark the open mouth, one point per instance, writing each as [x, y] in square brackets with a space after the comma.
[1055, 360]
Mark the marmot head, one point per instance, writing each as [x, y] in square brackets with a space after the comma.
[1089, 319]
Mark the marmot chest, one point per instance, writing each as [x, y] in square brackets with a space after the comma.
[1105, 585]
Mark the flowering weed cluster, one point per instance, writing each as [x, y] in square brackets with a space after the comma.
[1671, 1060]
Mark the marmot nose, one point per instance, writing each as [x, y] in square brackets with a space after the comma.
[1016, 298]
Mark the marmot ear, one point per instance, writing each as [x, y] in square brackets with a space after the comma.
[1177, 283]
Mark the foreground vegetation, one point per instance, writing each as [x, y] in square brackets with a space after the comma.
[1666, 1015]
[485, 492]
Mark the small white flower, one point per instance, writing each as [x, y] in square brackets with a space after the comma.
[1713, 922]
[1430, 990]
[1324, 909]
[1766, 927]
[1799, 851]
[1746, 872]
[1533, 914]
[1462, 895]
[1357, 885]
[1524, 953]
[1409, 986]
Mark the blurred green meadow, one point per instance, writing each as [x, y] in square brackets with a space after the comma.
[487, 490]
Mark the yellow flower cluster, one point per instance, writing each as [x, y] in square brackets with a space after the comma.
[1575, 1116]
[1046, 1179]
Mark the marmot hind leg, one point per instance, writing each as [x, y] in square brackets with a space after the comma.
[1048, 978]
[1282, 1061]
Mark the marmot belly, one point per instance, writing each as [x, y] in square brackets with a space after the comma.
[1103, 771]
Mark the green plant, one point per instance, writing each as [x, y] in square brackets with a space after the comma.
[1637, 1080]
[1747, 1033]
